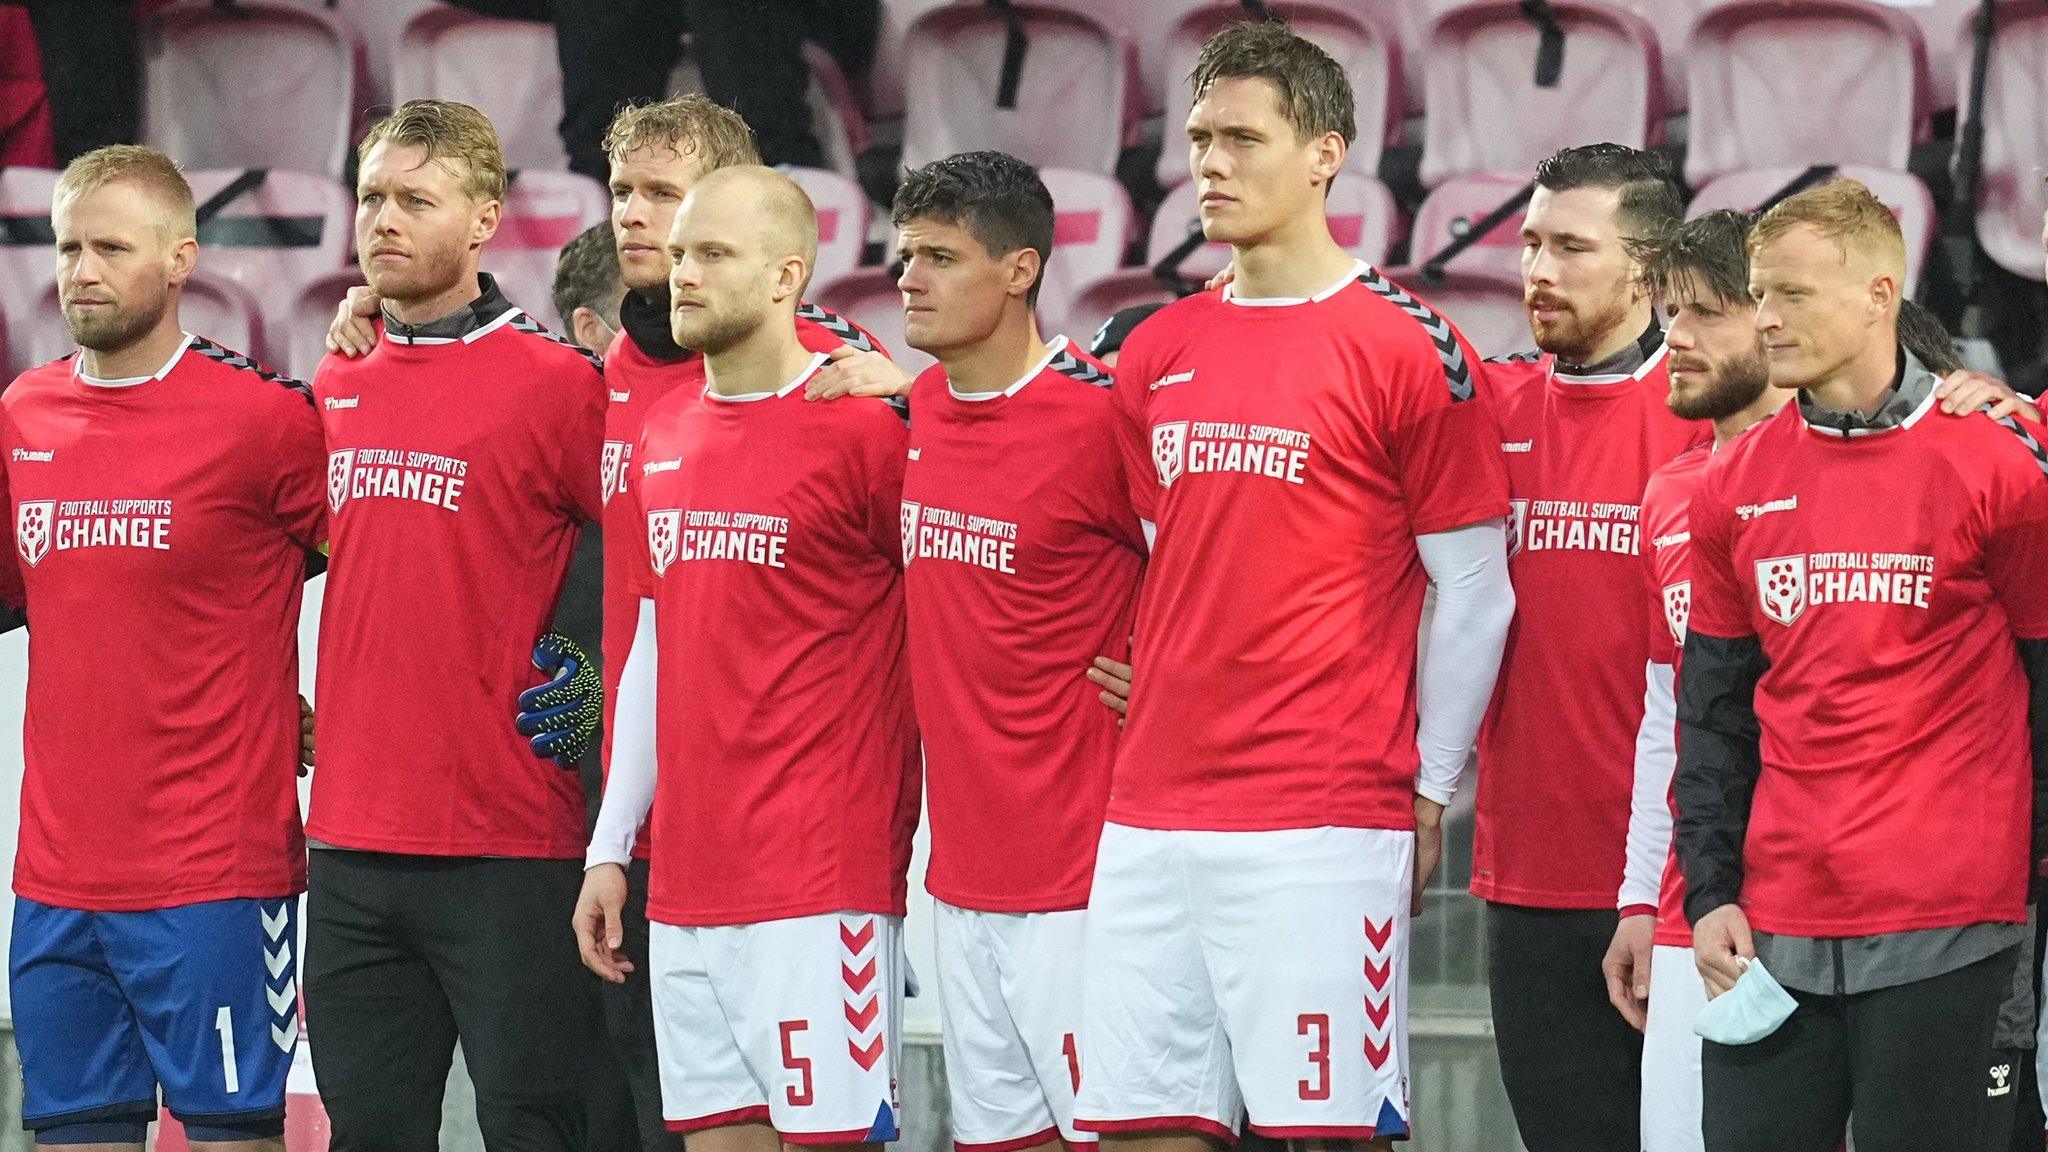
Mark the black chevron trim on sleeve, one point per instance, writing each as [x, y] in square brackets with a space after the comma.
[1068, 364]
[836, 324]
[528, 324]
[234, 359]
[1514, 358]
[1457, 373]
[2040, 454]
[899, 405]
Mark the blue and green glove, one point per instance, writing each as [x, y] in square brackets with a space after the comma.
[562, 716]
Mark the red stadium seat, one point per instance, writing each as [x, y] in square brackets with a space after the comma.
[1487, 112]
[1368, 52]
[1070, 107]
[1092, 225]
[278, 236]
[1902, 192]
[2010, 200]
[543, 211]
[28, 261]
[267, 84]
[870, 299]
[312, 310]
[1488, 312]
[507, 68]
[842, 221]
[1779, 83]
[1363, 221]
[1451, 210]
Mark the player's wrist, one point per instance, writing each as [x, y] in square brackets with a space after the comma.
[1429, 811]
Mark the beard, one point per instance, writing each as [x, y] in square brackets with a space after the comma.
[714, 331]
[112, 327]
[1574, 338]
[428, 274]
[1734, 384]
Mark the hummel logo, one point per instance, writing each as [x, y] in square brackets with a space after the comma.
[337, 402]
[2001, 1080]
[653, 466]
[1518, 446]
[1175, 378]
[1752, 511]
[44, 457]
[620, 397]
[913, 453]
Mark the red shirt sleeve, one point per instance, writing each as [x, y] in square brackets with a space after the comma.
[1446, 450]
[1719, 605]
[886, 450]
[1133, 431]
[13, 589]
[298, 493]
[2016, 545]
[639, 575]
[578, 429]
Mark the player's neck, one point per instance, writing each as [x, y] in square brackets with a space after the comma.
[1624, 335]
[1295, 264]
[997, 362]
[765, 361]
[1862, 384]
[144, 357]
[1729, 427]
[426, 309]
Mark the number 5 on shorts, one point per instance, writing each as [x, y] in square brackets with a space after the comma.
[799, 1093]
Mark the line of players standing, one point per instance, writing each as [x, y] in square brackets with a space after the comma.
[801, 587]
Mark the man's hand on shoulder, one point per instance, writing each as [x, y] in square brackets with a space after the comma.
[849, 371]
[1965, 392]
[352, 334]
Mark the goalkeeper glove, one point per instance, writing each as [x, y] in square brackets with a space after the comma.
[562, 715]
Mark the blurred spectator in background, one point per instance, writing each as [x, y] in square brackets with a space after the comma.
[24, 102]
[92, 66]
[588, 288]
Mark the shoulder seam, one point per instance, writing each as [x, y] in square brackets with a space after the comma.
[523, 321]
[836, 324]
[233, 359]
[2026, 438]
[1457, 372]
[1072, 366]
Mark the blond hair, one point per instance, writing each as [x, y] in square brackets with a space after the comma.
[448, 130]
[147, 168]
[1845, 212]
[689, 125]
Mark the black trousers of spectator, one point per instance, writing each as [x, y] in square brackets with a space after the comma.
[1902, 1068]
[1571, 1065]
[404, 954]
[613, 53]
[92, 65]
[629, 1021]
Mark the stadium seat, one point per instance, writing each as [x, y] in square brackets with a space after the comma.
[1672, 20]
[1368, 52]
[1450, 211]
[1363, 220]
[1069, 108]
[871, 299]
[28, 257]
[262, 84]
[1487, 111]
[507, 68]
[1945, 29]
[1779, 83]
[211, 306]
[378, 24]
[1902, 192]
[1104, 298]
[276, 236]
[885, 76]
[1488, 312]
[2010, 199]
[842, 221]
[1092, 225]
[312, 310]
[543, 211]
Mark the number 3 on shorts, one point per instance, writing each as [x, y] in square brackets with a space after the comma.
[1317, 1023]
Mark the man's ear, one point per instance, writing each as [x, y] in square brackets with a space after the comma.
[486, 225]
[1025, 266]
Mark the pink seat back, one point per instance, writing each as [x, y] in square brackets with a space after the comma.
[1489, 313]
[268, 84]
[842, 221]
[2010, 198]
[870, 299]
[1453, 208]
[1092, 225]
[506, 68]
[1902, 192]
[543, 211]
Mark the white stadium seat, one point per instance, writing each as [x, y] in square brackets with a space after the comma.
[2010, 201]
[543, 211]
[507, 68]
[1902, 192]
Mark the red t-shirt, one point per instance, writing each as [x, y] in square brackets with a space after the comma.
[636, 382]
[458, 475]
[161, 530]
[1667, 508]
[787, 752]
[1557, 750]
[1885, 576]
[1290, 454]
[1024, 559]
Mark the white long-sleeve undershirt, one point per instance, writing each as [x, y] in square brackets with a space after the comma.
[1649, 810]
[1475, 603]
[629, 787]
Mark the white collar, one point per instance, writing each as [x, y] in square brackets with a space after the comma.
[1052, 350]
[78, 369]
[1358, 268]
[817, 362]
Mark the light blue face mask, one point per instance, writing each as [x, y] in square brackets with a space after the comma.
[1748, 1012]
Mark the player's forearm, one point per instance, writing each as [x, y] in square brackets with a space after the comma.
[1475, 603]
[629, 789]
[1720, 758]
[1649, 816]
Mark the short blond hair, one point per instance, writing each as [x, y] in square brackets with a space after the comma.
[448, 130]
[1843, 211]
[689, 124]
[145, 167]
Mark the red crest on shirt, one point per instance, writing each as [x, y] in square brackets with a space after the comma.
[1781, 587]
[662, 531]
[1677, 607]
[339, 467]
[32, 529]
[909, 531]
[1169, 450]
[614, 468]
[1518, 512]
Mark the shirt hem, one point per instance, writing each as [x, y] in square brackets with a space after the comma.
[1845, 930]
[676, 917]
[1585, 900]
[1065, 901]
[1262, 824]
[571, 848]
[158, 900]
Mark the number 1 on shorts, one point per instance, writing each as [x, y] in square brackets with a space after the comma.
[224, 1023]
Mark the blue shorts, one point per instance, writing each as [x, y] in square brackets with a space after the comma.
[201, 1000]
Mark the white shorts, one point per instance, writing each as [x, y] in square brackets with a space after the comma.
[1248, 971]
[1671, 1053]
[792, 1022]
[1010, 999]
